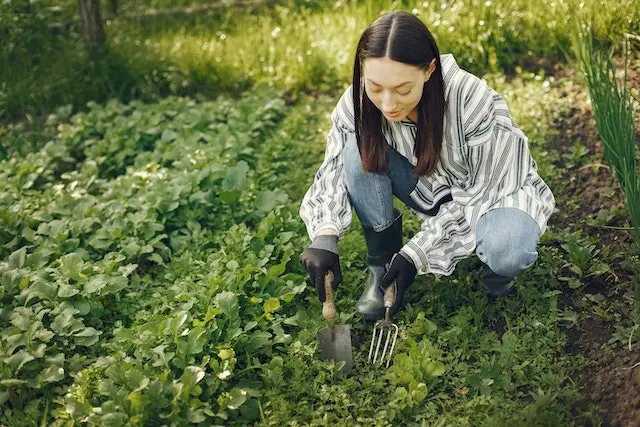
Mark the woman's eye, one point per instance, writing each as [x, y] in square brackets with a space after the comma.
[403, 94]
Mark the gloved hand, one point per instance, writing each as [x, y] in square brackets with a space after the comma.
[403, 272]
[318, 263]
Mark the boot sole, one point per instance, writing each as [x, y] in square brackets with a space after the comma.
[372, 317]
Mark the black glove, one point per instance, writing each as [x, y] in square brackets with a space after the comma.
[403, 272]
[319, 262]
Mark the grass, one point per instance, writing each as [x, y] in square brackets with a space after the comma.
[300, 46]
[613, 110]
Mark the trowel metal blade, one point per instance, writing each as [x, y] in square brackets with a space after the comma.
[335, 344]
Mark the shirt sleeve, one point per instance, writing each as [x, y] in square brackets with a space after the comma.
[326, 204]
[498, 161]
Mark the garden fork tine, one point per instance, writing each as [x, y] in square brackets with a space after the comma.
[382, 326]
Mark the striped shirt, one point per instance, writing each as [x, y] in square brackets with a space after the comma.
[485, 164]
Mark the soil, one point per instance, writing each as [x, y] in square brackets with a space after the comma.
[611, 377]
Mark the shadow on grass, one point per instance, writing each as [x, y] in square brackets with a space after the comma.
[37, 85]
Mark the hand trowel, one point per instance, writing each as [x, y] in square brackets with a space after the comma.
[335, 340]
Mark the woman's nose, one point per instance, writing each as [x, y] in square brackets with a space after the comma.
[388, 103]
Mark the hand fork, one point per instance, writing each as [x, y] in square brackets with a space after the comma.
[383, 326]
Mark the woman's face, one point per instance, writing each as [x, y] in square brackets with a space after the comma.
[395, 87]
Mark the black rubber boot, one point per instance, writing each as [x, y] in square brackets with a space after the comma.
[381, 246]
[495, 285]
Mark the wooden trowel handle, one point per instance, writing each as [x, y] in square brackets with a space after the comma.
[328, 307]
[390, 294]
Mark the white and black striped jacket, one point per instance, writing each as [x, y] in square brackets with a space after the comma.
[485, 164]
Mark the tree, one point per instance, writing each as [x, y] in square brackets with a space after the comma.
[92, 29]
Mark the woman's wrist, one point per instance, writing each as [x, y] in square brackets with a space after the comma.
[328, 242]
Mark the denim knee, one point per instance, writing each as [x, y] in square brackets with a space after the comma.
[506, 241]
[509, 263]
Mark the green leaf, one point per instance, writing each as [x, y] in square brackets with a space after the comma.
[197, 340]
[100, 242]
[211, 314]
[293, 320]
[131, 249]
[230, 196]
[83, 306]
[258, 340]
[192, 375]
[195, 416]
[276, 270]
[435, 369]
[227, 302]
[116, 284]
[156, 258]
[67, 291]
[226, 353]
[113, 419]
[71, 266]
[267, 200]
[62, 321]
[39, 258]
[399, 394]
[250, 325]
[237, 398]
[87, 336]
[576, 270]
[236, 177]
[13, 382]
[162, 356]
[168, 135]
[420, 393]
[126, 270]
[22, 318]
[96, 283]
[271, 305]
[16, 259]
[280, 336]
[55, 359]
[18, 360]
[51, 375]
[44, 290]
[135, 398]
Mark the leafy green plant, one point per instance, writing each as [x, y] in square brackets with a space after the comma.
[574, 155]
[583, 261]
[166, 289]
[613, 110]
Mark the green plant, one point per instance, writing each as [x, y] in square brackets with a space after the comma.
[164, 287]
[583, 260]
[574, 155]
[613, 110]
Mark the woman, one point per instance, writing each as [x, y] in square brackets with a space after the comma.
[441, 141]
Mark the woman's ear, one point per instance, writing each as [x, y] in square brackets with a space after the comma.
[430, 70]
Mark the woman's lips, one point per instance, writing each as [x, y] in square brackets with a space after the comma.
[393, 114]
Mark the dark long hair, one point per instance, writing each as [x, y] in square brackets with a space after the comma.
[401, 37]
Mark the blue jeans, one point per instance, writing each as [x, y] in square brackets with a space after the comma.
[506, 238]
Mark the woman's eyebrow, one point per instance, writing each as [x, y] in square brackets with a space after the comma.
[401, 84]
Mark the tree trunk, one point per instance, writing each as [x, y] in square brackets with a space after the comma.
[91, 23]
[114, 7]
